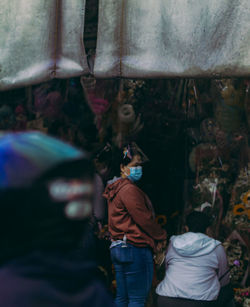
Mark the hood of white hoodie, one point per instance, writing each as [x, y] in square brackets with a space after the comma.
[193, 244]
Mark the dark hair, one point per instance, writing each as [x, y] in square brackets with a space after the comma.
[113, 157]
[129, 151]
[124, 155]
[102, 153]
[197, 222]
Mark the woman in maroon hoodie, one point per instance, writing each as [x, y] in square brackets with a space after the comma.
[135, 234]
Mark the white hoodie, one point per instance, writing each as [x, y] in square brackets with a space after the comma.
[194, 263]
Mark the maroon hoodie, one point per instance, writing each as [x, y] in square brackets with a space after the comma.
[130, 213]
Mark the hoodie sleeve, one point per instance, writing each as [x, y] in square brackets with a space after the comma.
[223, 273]
[135, 202]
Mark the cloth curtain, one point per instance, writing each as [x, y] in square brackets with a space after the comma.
[173, 38]
[40, 40]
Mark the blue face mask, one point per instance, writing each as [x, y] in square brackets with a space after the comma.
[135, 173]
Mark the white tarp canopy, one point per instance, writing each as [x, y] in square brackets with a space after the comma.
[173, 38]
[40, 40]
[43, 39]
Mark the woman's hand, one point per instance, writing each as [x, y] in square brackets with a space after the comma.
[160, 252]
[161, 246]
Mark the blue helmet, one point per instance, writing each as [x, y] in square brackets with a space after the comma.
[46, 191]
[25, 156]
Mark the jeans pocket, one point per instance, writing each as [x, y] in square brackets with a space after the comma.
[122, 254]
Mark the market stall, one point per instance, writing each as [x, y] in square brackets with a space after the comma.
[191, 119]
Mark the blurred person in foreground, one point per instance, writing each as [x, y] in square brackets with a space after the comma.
[46, 198]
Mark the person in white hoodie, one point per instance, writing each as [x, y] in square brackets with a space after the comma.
[196, 267]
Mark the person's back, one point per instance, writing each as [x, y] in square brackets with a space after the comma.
[46, 192]
[194, 263]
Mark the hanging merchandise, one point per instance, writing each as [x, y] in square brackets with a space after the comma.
[192, 100]
[102, 96]
[99, 105]
[230, 105]
[209, 187]
[228, 118]
[21, 118]
[48, 107]
[202, 158]
[238, 215]
[88, 84]
[222, 142]
[99, 93]
[131, 90]
[208, 130]
[242, 296]
[238, 259]
[128, 123]
[214, 174]
[53, 106]
[95, 97]
[207, 198]
[126, 114]
[40, 94]
[247, 102]
[232, 92]
[36, 39]
[194, 138]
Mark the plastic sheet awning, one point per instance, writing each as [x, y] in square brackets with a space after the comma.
[173, 38]
[43, 39]
[40, 40]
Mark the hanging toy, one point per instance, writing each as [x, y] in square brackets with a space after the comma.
[88, 83]
[126, 114]
[208, 129]
[129, 125]
[99, 106]
[229, 109]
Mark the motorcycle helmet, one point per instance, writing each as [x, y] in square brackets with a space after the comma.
[46, 191]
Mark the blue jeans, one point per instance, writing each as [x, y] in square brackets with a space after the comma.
[134, 274]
